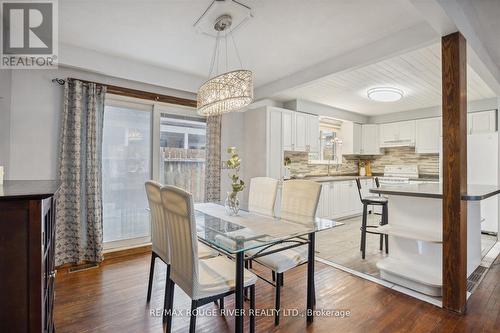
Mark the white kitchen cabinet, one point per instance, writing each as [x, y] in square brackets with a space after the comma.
[369, 140]
[300, 131]
[360, 139]
[340, 199]
[357, 139]
[427, 139]
[274, 147]
[288, 125]
[482, 122]
[312, 142]
[397, 134]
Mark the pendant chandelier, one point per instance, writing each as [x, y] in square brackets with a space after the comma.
[230, 91]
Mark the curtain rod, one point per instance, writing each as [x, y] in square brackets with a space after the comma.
[116, 90]
[63, 81]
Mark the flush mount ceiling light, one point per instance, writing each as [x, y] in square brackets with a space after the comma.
[232, 90]
[385, 94]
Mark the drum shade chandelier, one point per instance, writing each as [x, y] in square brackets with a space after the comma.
[230, 91]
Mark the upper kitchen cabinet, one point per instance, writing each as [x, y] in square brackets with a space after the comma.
[482, 122]
[369, 139]
[288, 127]
[397, 134]
[360, 139]
[264, 134]
[300, 131]
[313, 136]
[428, 132]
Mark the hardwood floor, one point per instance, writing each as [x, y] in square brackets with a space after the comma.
[112, 298]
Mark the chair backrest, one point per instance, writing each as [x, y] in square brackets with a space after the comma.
[358, 184]
[159, 239]
[262, 195]
[299, 200]
[181, 226]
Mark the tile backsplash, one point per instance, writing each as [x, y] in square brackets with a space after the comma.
[428, 164]
[300, 165]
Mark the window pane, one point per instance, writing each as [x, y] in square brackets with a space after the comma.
[126, 156]
[182, 154]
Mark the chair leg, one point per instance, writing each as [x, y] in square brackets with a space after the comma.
[168, 293]
[221, 303]
[363, 233]
[381, 242]
[245, 290]
[385, 219]
[277, 305]
[314, 294]
[151, 275]
[167, 316]
[192, 321]
[252, 308]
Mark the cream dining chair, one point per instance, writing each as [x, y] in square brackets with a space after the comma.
[204, 281]
[262, 195]
[298, 204]
[159, 240]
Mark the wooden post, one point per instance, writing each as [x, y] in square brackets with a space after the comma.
[454, 85]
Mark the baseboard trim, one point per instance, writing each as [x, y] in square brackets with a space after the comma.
[118, 253]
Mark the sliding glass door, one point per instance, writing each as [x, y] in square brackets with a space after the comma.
[182, 153]
[126, 164]
[143, 140]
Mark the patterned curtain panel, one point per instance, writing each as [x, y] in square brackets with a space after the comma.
[213, 164]
[79, 207]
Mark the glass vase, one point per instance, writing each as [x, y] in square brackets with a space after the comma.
[232, 204]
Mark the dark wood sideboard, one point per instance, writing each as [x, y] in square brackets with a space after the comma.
[27, 264]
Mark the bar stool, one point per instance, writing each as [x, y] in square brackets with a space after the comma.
[372, 229]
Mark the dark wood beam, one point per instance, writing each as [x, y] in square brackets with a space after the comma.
[454, 86]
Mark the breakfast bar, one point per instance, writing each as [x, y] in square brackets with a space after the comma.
[415, 234]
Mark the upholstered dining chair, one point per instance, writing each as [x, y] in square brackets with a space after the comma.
[204, 281]
[159, 240]
[262, 195]
[299, 201]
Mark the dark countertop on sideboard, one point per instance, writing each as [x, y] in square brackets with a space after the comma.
[28, 189]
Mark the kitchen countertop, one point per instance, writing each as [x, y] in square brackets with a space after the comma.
[434, 190]
[28, 189]
[324, 179]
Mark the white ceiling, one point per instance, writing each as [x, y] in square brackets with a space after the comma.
[417, 73]
[487, 16]
[284, 37]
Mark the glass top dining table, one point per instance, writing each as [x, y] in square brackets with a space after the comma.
[248, 236]
[248, 231]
